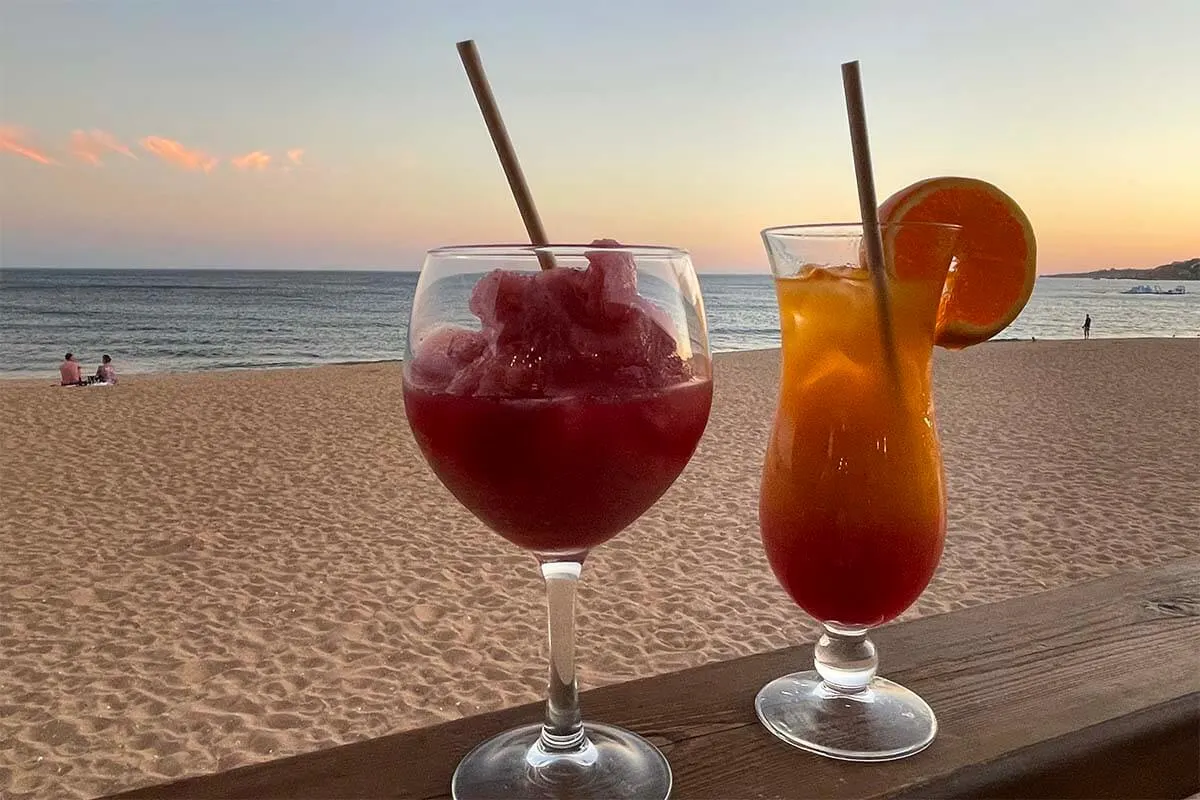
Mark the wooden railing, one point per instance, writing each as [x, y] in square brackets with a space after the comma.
[1089, 691]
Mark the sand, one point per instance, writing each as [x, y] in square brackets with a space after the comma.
[203, 571]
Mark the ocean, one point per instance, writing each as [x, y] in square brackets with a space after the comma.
[187, 320]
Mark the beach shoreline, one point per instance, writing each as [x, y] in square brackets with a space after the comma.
[213, 568]
[50, 377]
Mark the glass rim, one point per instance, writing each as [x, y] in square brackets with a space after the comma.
[837, 230]
[531, 251]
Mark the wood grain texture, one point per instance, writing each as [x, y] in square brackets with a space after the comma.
[1088, 691]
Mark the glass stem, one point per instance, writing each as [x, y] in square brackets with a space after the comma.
[845, 659]
[562, 732]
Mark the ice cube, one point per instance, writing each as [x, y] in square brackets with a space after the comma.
[465, 382]
[498, 296]
[483, 298]
[514, 372]
[443, 351]
[658, 314]
[610, 281]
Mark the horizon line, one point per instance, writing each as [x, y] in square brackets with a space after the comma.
[177, 268]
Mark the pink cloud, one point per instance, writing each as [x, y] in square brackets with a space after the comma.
[256, 160]
[13, 138]
[175, 153]
[90, 145]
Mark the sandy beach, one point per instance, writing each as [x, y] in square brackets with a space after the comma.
[200, 571]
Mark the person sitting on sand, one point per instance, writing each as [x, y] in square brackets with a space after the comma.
[106, 372]
[69, 371]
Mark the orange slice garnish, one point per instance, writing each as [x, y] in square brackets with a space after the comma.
[996, 254]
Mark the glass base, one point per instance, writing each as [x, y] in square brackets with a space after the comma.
[616, 765]
[881, 723]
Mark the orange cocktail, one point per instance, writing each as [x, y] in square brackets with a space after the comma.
[853, 504]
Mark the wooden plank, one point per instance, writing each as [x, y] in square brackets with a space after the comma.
[1120, 758]
[1088, 691]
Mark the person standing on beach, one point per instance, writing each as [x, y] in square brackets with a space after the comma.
[68, 370]
[106, 373]
[1087, 326]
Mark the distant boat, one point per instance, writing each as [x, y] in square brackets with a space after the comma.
[1146, 288]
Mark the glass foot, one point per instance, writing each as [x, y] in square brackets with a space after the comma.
[881, 723]
[617, 765]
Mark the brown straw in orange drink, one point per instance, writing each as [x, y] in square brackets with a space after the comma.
[504, 148]
[872, 235]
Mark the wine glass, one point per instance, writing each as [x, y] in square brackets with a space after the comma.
[557, 392]
[852, 508]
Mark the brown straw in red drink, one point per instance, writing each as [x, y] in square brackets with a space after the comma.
[508, 157]
[872, 235]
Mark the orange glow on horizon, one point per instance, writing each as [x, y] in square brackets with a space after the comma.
[1084, 219]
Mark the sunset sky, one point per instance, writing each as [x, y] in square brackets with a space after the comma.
[247, 133]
